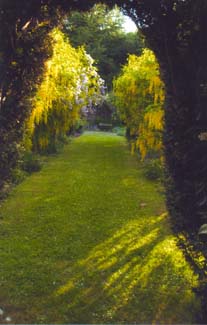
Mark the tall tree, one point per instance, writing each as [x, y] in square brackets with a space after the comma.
[101, 31]
[70, 84]
[139, 97]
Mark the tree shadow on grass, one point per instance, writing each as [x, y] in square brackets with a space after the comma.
[136, 276]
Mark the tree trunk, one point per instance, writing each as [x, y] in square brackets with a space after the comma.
[183, 148]
[186, 146]
[176, 31]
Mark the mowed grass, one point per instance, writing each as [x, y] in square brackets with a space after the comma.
[87, 240]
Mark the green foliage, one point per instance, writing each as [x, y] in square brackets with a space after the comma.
[5, 190]
[101, 32]
[31, 162]
[17, 176]
[103, 113]
[79, 127]
[153, 169]
[139, 97]
[82, 248]
[120, 130]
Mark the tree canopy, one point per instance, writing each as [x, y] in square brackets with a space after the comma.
[101, 31]
[70, 84]
[139, 96]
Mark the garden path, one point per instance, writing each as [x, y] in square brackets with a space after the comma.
[87, 240]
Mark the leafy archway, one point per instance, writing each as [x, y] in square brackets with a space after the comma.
[175, 30]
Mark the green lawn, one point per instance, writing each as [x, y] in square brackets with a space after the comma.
[87, 240]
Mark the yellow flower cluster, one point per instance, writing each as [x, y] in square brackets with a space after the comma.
[139, 97]
[70, 82]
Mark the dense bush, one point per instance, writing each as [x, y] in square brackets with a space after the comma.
[153, 169]
[17, 176]
[120, 130]
[31, 162]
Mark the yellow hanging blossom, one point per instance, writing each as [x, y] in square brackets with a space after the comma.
[139, 97]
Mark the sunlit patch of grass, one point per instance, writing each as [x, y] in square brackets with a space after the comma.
[137, 275]
[86, 240]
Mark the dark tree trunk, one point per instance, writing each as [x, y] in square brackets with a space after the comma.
[185, 75]
[176, 31]
[182, 144]
[185, 150]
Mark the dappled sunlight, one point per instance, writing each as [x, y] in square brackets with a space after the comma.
[138, 274]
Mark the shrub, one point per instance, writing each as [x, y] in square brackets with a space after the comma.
[153, 169]
[120, 130]
[5, 190]
[17, 176]
[31, 162]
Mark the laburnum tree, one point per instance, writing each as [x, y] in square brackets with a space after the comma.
[70, 84]
[139, 98]
[25, 46]
[176, 31]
